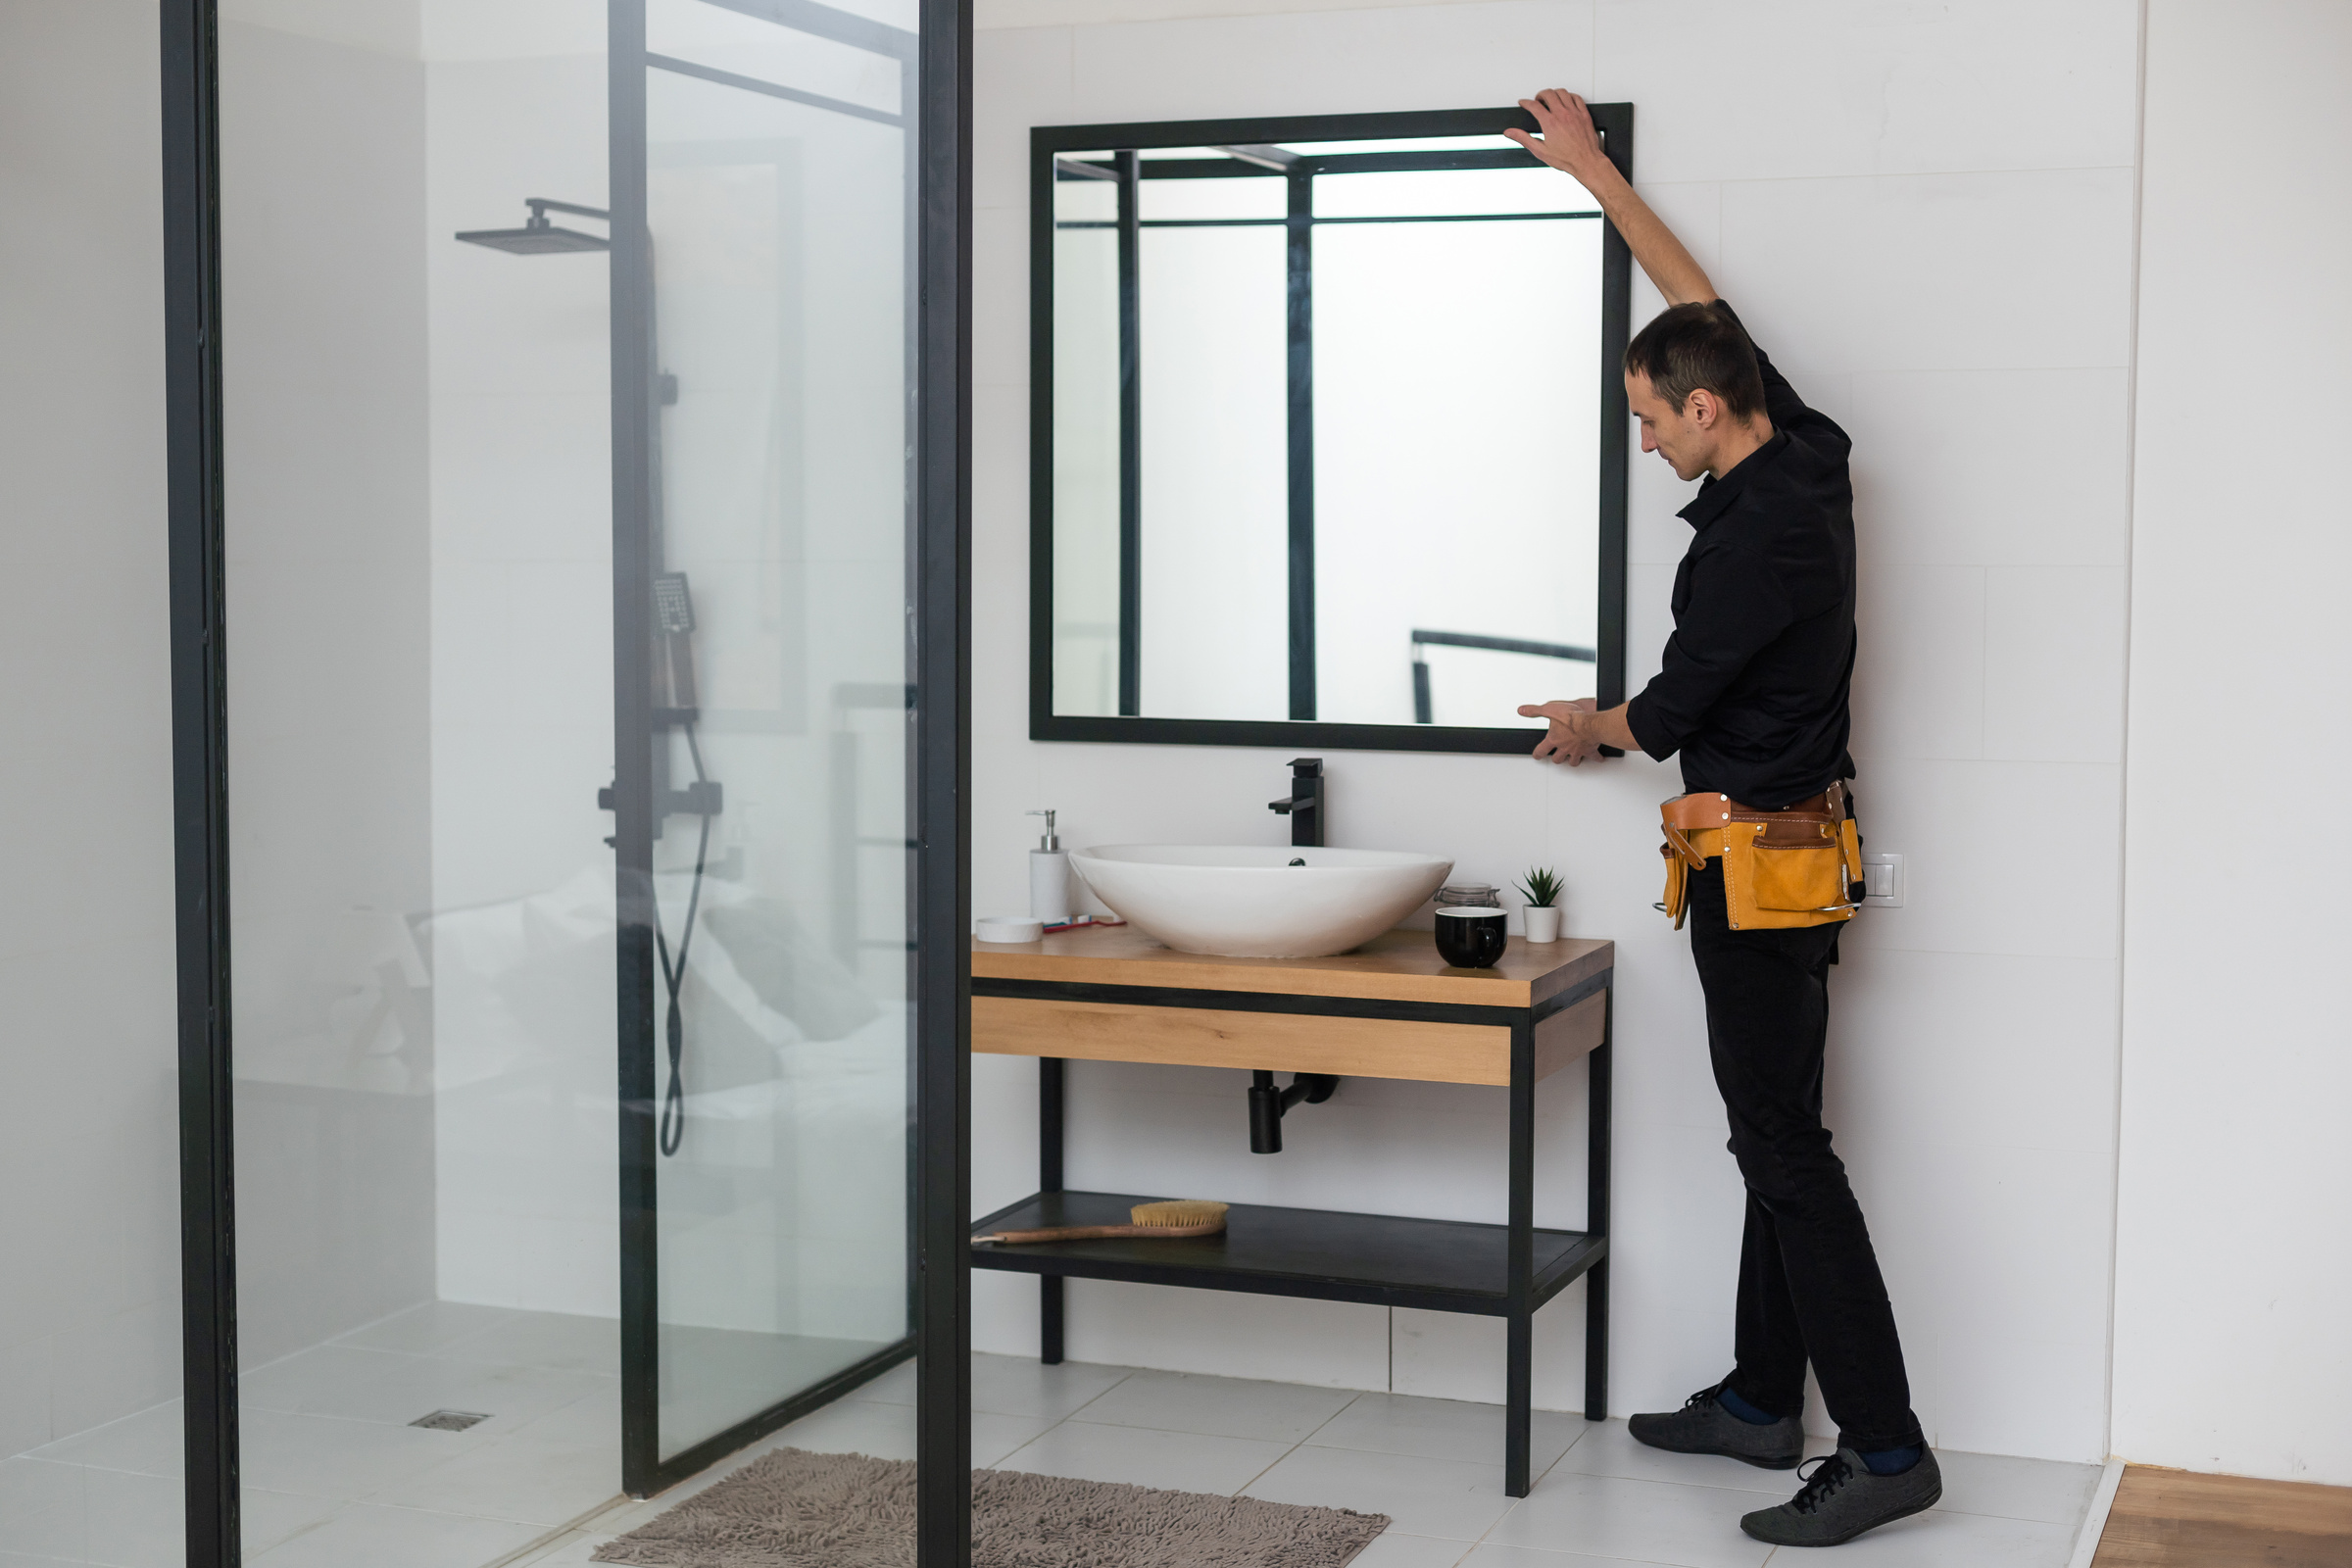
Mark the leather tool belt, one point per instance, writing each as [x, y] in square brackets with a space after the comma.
[1799, 865]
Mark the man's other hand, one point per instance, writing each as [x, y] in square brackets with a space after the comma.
[1572, 735]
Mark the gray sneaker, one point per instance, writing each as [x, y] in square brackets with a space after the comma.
[1704, 1426]
[1842, 1499]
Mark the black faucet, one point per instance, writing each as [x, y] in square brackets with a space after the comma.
[1305, 807]
[1267, 1103]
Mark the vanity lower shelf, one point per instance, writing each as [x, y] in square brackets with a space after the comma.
[1385, 1260]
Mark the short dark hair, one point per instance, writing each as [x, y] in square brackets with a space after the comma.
[1691, 346]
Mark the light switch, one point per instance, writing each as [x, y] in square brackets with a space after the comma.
[1883, 880]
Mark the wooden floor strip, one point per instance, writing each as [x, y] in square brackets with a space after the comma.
[2176, 1519]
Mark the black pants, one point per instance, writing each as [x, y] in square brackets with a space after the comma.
[1809, 1283]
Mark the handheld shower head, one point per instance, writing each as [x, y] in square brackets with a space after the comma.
[538, 236]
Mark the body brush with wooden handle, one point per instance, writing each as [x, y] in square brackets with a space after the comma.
[1172, 1220]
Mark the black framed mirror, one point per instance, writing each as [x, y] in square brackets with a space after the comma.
[1327, 433]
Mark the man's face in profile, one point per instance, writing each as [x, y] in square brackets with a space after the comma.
[1684, 438]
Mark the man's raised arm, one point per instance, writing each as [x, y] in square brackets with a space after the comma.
[1570, 144]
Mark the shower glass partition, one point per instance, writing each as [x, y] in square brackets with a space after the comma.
[764, 1226]
[560, 779]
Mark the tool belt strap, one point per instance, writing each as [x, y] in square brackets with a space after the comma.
[1705, 812]
[1706, 809]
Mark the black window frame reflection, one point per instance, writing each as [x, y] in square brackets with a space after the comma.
[1255, 148]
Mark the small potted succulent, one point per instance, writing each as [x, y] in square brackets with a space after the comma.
[1541, 890]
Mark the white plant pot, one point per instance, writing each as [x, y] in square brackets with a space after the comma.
[1542, 924]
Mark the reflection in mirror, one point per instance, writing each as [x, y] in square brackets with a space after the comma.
[1326, 433]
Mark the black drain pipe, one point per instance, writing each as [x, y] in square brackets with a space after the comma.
[1267, 1104]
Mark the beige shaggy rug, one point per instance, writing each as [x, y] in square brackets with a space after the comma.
[796, 1509]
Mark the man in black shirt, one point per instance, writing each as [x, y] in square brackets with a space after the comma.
[1752, 693]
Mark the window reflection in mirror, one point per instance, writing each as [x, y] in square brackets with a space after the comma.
[1325, 433]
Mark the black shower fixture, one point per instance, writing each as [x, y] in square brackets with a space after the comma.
[538, 236]
[675, 702]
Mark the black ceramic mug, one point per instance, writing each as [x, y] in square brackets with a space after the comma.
[1471, 936]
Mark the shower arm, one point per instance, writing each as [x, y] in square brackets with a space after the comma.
[541, 206]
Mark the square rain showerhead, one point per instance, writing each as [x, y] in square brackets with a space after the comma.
[538, 239]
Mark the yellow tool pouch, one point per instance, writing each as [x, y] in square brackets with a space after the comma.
[1798, 866]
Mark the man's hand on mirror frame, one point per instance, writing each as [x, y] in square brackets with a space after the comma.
[1568, 143]
[1579, 730]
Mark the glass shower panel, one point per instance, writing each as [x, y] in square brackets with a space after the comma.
[418, 580]
[777, 208]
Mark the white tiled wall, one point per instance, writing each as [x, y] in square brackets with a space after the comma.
[1926, 215]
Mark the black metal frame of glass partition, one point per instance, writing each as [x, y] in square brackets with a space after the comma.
[640, 726]
[1255, 152]
[937, 82]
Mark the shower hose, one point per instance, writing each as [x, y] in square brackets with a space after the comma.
[673, 1099]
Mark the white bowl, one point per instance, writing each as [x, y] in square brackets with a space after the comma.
[1241, 902]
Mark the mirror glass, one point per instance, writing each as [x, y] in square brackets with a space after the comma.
[1325, 436]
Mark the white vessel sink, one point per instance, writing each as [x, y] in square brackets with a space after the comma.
[1246, 903]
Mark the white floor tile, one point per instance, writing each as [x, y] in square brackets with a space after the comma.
[44, 1506]
[894, 1387]
[511, 1395]
[1442, 1429]
[1609, 1449]
[1940, 1539]
[541, 1483]
[322, 1457]
[148, 1442]
[1392, 1549]
[1012, 1384]
[595, 1418]
[1141, 1456]
[322, 1372]
[1998, 1483]
[430, 1326]
[271, 1518]
[1492, 1555]
[1225, 1408]
[363, 1534]
[29, 1486]
[996, 1439]
[564, 1340]
[1648, 1521]
[135, 1521]
[1455, 1499]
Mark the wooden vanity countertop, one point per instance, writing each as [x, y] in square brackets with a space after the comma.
[1396, 966]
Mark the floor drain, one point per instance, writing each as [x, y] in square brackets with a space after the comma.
[450, 1420]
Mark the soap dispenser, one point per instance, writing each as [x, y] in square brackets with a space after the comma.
[1048, 878]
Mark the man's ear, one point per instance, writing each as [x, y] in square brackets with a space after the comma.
[1703, 407]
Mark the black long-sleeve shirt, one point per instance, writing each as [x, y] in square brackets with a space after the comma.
[1754, 687]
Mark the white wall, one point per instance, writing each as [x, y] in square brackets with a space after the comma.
[2232, 1275]
[1926, 215]
[89, 1290]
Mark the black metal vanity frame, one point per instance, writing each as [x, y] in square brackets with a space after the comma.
[1614, 121]
[1507, 1271]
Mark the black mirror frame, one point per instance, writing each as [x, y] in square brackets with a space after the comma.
[1616, 125]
